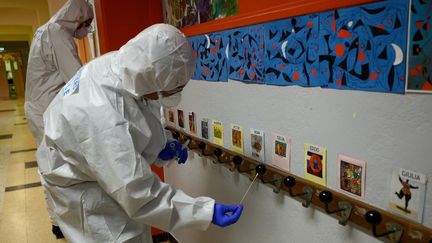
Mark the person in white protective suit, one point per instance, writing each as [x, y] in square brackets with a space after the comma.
[53, 60]
[104, 130]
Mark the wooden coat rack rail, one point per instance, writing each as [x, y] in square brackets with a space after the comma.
[347, 209]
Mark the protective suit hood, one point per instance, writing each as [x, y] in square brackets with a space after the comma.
[159, 58]
[72, 14]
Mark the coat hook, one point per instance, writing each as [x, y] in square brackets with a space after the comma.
[175, 134]
[237, 160]
[344, 207]
[277, 180]
[307, 191]
[193, 144]
[394, 231]
[191, 141]
[218, 153]
[203, 147]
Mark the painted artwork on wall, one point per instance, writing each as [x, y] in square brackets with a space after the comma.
[407, 194]
[182, 13]
[211, 56]
[192, 123]
[257, 145]
[224, 8]
[205, 128]
[171, 121]
[363, 47]
[237, 138]
[218, 133]
[281, 154]
[315, 163]
[246, 54]
[180, 118]
[291, 47]
[420, 47]
[351, 175]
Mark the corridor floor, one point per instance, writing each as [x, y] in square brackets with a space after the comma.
[23, 215]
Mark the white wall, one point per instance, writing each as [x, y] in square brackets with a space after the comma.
[385, 130]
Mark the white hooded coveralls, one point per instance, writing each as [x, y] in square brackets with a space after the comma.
[101, 139]
[53, 60]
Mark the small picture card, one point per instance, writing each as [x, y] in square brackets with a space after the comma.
[281, 155]
[171, 121]
[192, 123]
[315, 160]
[237, 138]
[257, 145]
[204, 128]
[407, 194]
[180, 118]
[218, 132]
[351, 175]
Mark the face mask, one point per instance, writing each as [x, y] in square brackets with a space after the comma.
[81, 33]
[162, 111]
[171, 101]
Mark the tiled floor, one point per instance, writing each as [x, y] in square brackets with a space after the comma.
[23, 215]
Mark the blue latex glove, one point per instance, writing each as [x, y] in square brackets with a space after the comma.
[220, 216]
[174, 150]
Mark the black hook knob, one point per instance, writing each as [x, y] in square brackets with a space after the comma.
[202, 145]
[326, 197]
[237, 160]
[217, 152]
[373, 217]
[260, 169]
[289, 181]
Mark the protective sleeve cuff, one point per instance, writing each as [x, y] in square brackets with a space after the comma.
[208, 210]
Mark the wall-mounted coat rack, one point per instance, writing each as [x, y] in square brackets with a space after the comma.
[347, 209]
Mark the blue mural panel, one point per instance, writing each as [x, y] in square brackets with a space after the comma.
[292, 51]
[420, 48]
[363, 47]
[210, 55]
[246, 54]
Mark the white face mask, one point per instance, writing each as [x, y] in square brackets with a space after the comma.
[81, 33]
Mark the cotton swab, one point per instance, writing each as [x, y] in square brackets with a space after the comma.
[250, 186]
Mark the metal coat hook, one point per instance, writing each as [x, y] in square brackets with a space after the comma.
[192, 144]
[277, 180]
[237, 160]
[307, 191]
[394, 231]
[344, 207]
[259, 171]
[176, 135]
[251, 168]
[219, 154]
[203, 147]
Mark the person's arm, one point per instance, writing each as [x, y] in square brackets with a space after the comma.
[127, 177]
[65, 53]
